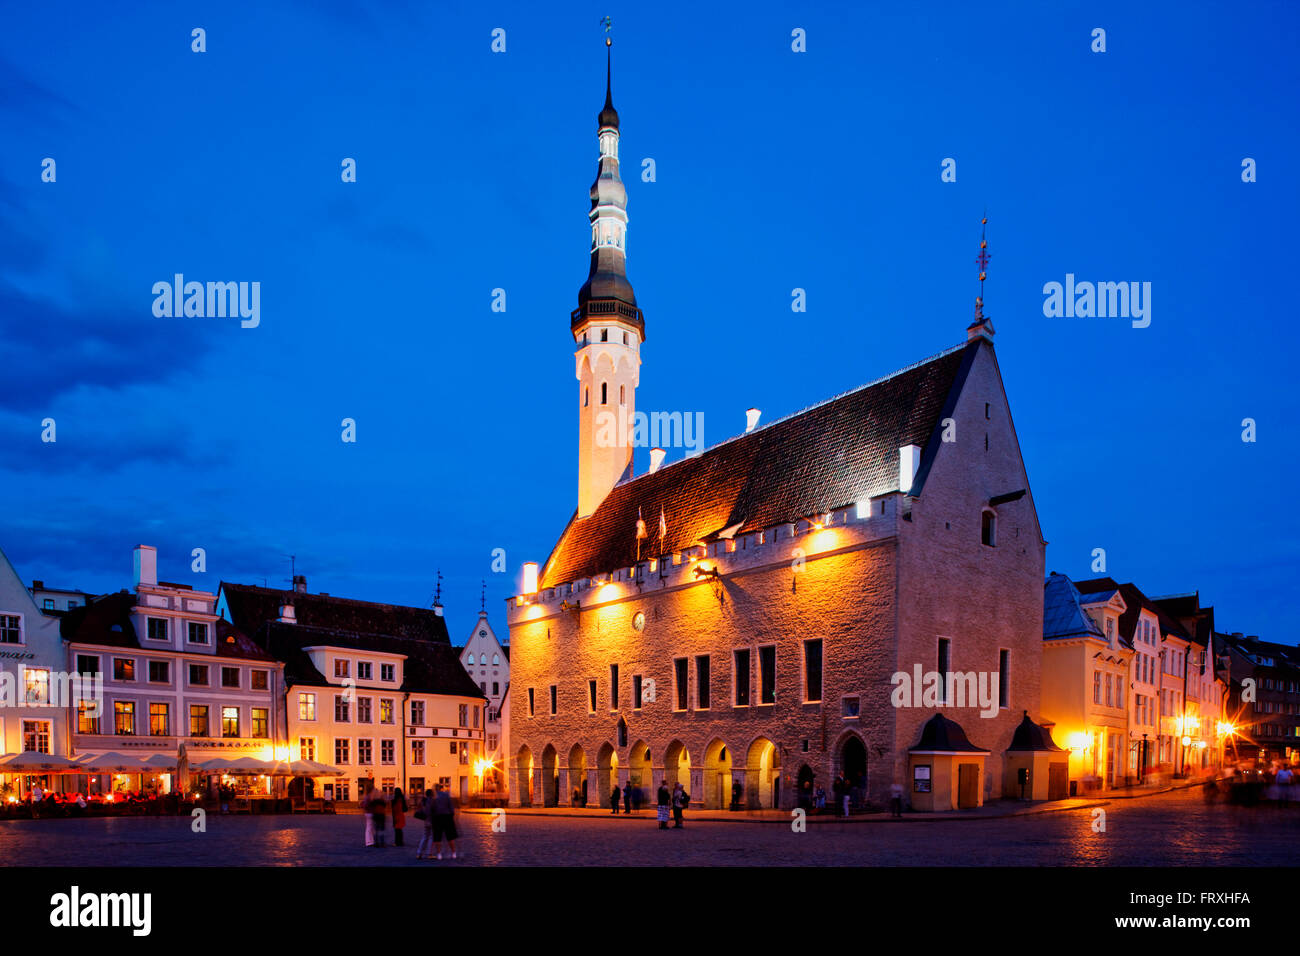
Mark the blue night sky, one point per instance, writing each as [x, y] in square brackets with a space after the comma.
[775, 170]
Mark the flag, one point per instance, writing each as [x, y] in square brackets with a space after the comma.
[640, 533]
[663, 529]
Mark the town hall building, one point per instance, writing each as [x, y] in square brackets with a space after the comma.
[742, 621]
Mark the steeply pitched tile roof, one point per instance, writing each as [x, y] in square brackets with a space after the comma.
[252, 606]
[431, 667]
[1136, 601]
[827, 456]
[1063, 615]
[106, 621]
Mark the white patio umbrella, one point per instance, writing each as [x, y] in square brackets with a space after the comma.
[114, 763]
[37, 763]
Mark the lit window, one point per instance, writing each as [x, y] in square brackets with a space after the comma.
[306, 706]
[160, 723]
[261, 722]
[230, 721]
[198, 720]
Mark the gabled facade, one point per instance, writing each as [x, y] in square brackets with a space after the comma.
[31, 662]
[487, 661]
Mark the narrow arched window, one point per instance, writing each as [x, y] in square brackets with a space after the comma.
[604, 393]
[604, 335]
[470, 660]
[989, 528]
[622, 394]
[586, 397]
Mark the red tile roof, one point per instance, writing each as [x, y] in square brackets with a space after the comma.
[828, 456]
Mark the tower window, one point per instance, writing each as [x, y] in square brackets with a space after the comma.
[586, 397]
[604, 393]
[604, 335]
[622, 394]
[625, 338]
[989, 528]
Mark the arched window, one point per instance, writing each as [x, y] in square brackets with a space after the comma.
[989, 528]
[496, 659]
[586, 397]
[470, 659]
[604, 393]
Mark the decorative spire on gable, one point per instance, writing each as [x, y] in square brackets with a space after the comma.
[981, 327]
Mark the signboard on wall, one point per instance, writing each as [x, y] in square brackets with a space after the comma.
[921, 778]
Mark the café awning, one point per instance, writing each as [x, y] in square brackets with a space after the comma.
[114, 763]
[31, 762]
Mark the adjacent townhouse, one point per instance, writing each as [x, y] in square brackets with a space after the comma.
[1263, 703]
[375, 690]
[487, 661]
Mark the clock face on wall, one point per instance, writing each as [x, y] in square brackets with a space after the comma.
[638, 621]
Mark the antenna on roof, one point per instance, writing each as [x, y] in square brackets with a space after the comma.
[482, 601]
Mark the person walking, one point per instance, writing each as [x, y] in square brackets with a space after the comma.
[399, 817]
[681, 800]
[615, 798]
[425, 850]
[1284, 778]
[896, 799]
[664, 800]
[627, 797]
[378, 808]
[366, 803]
[444, 822]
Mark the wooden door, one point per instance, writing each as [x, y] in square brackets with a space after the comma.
[1058, 781]
[968, 782]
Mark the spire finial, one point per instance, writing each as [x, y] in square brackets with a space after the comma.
[437, 594]
[482, 601]
[982, 260]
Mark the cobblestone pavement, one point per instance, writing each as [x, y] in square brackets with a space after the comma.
[1170, 829]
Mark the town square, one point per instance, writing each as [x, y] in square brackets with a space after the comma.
[514, 438]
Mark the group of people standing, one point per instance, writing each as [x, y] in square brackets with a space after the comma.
[675, 801]
[435, 810]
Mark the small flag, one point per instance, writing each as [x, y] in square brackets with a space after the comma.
[640, 533]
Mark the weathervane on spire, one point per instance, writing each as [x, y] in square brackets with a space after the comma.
[437, 594]
[983, 261]
[608, 24]
[482, 601]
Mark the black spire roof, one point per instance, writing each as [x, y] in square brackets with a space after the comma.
[1032, 736]
[941, 735]
[609, 115]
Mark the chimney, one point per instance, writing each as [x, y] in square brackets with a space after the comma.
[1238, 635]
[909, 460]
[299, 583]
[146, 565]
[38, 585]
[287, 614]
[751, 419]
[656, 459]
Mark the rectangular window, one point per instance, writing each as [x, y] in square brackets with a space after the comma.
[365, 670]
[417, 713]
[261, 722]
[636, 692]
[492, 742]
[341, 709]
[160, 720]
[702, 688]
[230, 677]
[767, 674]
[496, 688]
[388, 672]
[363, 710]
[454, 748]
[198, 675]
[159, 672]
[49, 604]
[87, 664]
[417, 752]
[306, 706]
[464, 753]
[740, 677]
[591, 696]
[1096, 687]
[123, 717]
[123, 669]
[258, 680]
[682, 682]
[851, 706]
[341, 751]
[198, 720]
[230, 721]
[531, 709]
[37, 685]
[462, 715]
[476, 716]
[812, 670]
[86, 724]
[555, 701]
[387, 752]
[1108, 692]
[36, 736]
[307, 748]
[11, 629]
[156, 628]
[385, 710]
[1004, 678]
[198, 633]
[365, 748]
[613, 687]
[945, 663]
[341, 668]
